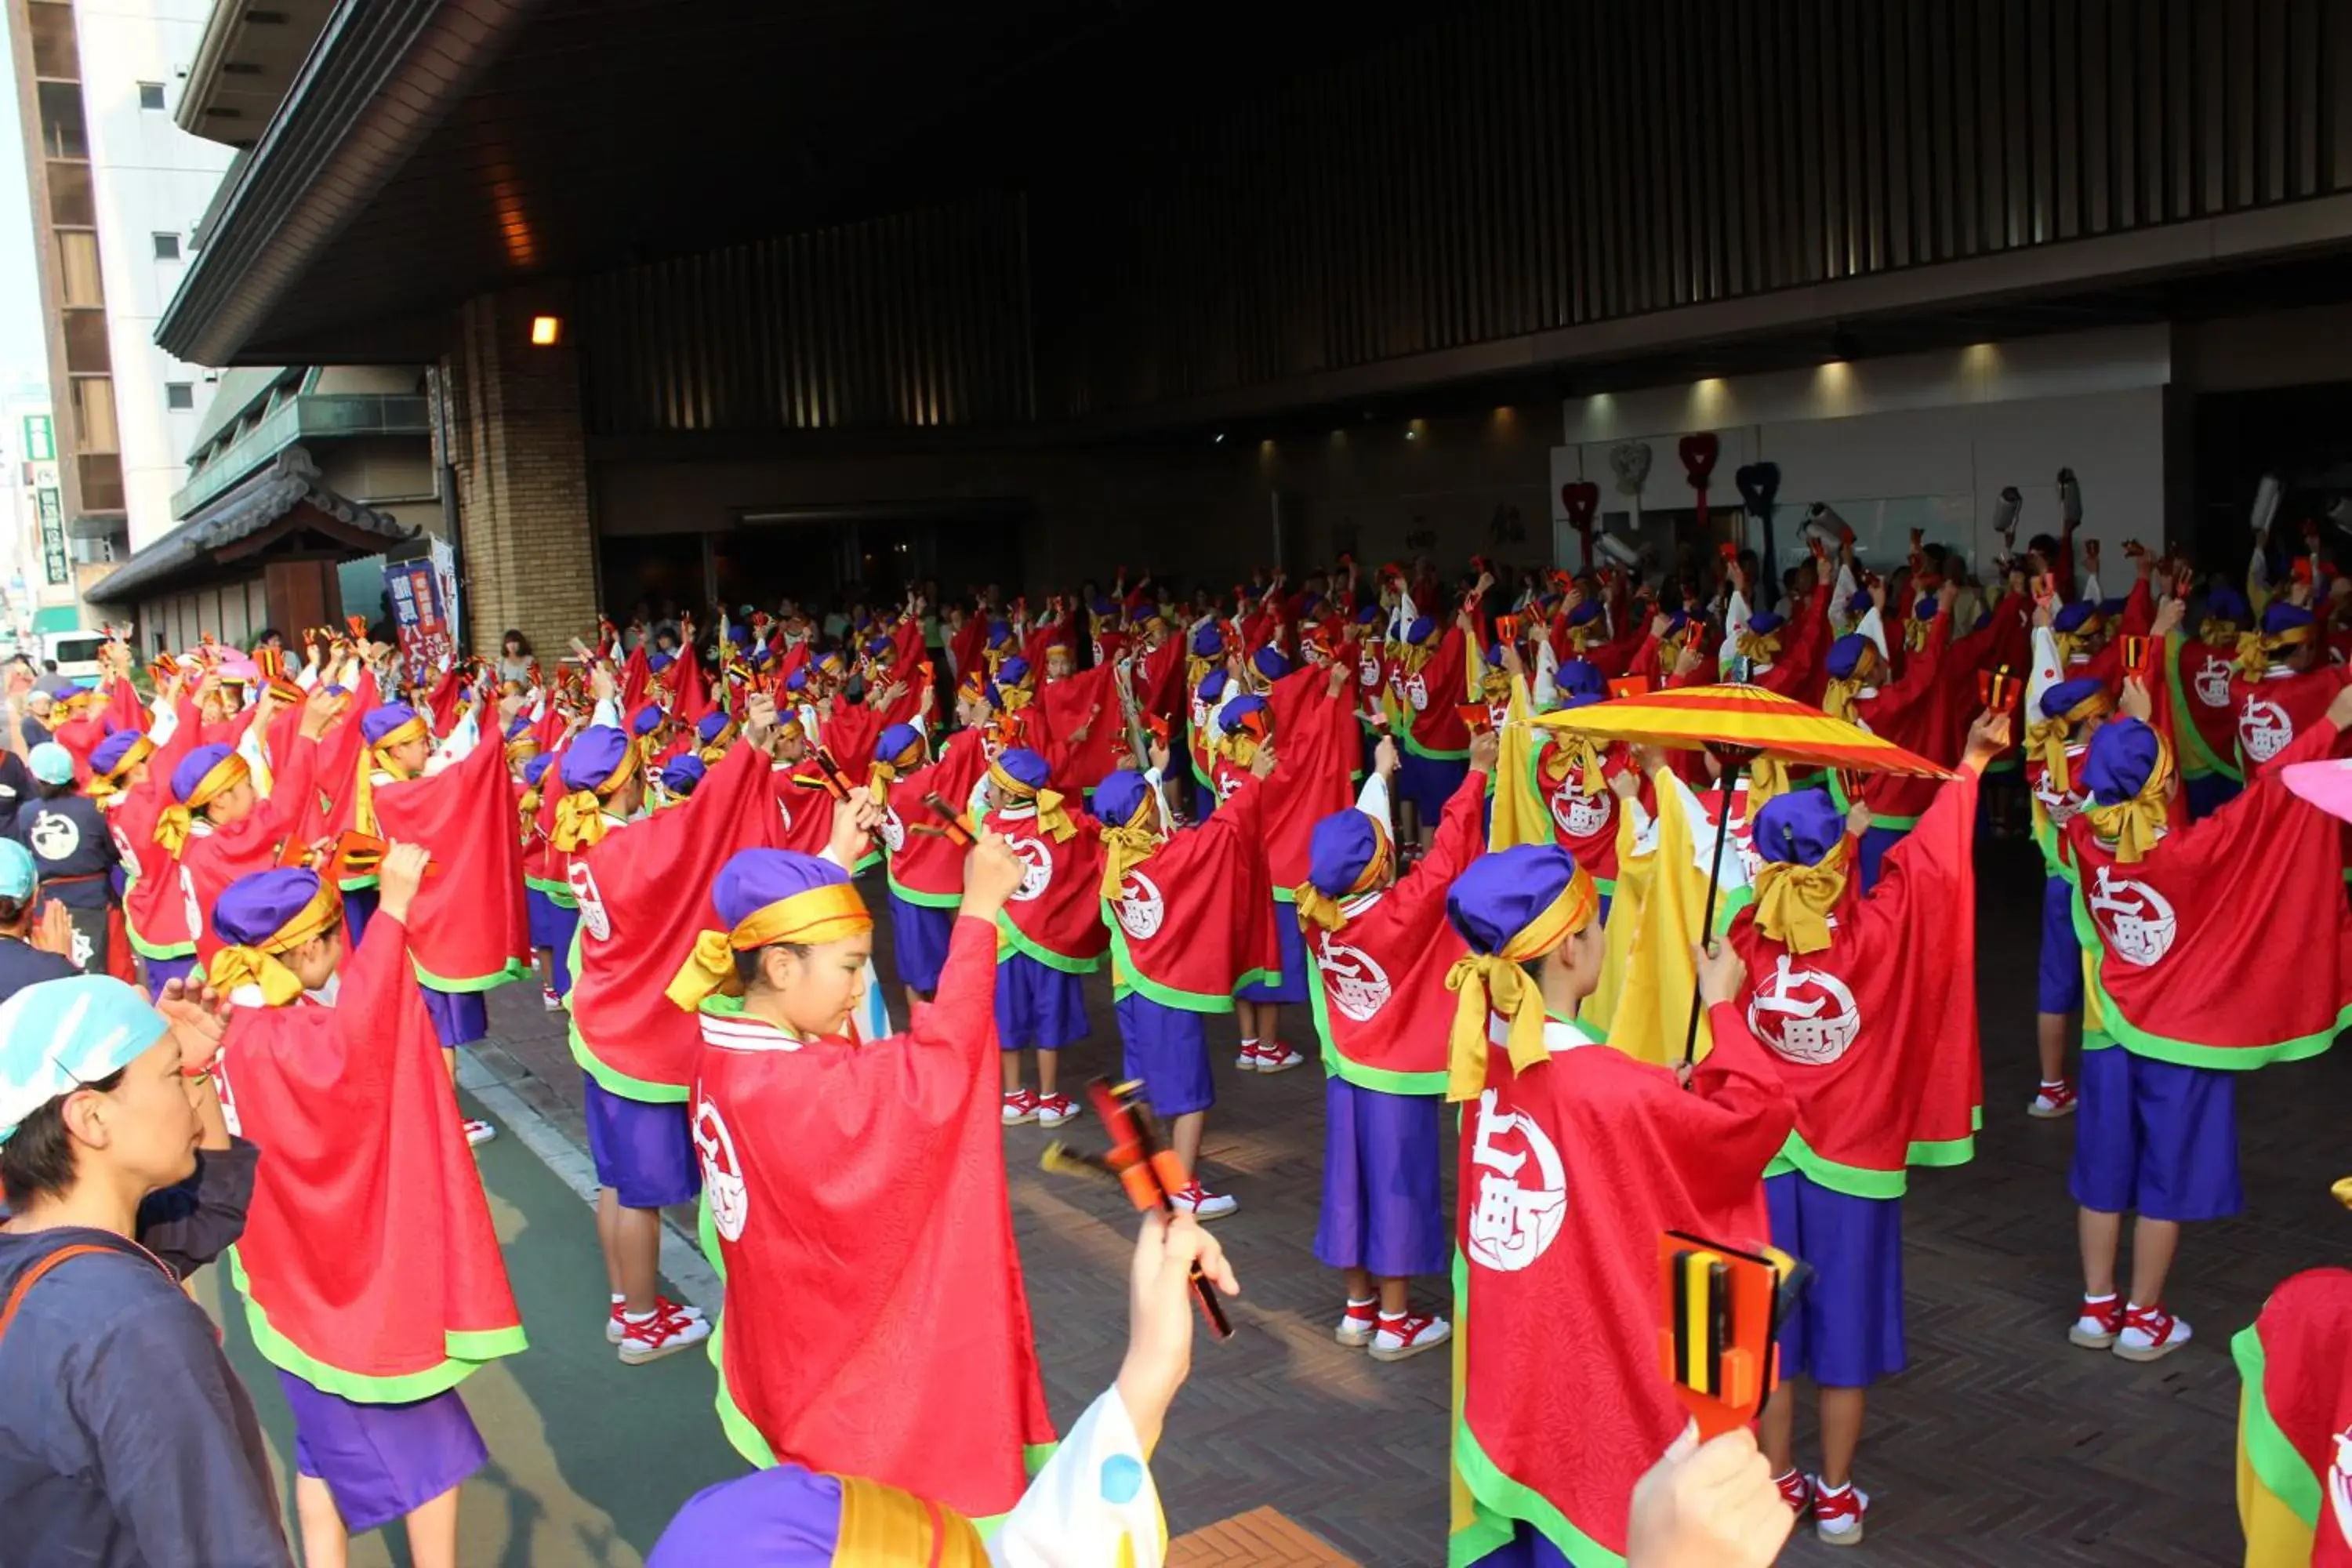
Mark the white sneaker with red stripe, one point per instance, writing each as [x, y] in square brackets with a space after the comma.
[1360, 1323]
[1020, 1106]
[2150, 1333]
[1247, 1060]
[549, 1000]
[661, 1304]
[2053, 1098]
[1198, 1201]
[1797, 1491]
[1408, 1334]
[1275, 1058]
[1053, 1110]
[1838, 1515]
[659, 1334]
[478, 1132]
[2098, 1323]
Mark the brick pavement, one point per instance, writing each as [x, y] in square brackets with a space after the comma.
[2003, 1444]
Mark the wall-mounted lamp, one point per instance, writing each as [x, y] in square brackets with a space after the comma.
[546, 332]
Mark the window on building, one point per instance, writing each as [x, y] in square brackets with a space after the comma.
[93, 406]
[179, 395]
[54, 54]
[62, 134]
[167, 247]
[78, 275]
[151, 95]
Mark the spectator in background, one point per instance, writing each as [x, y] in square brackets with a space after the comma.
[52, 684]
[267, 638]
[33, 721]
[515, 660]
[74, 853]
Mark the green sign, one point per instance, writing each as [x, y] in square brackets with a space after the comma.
[54, 559]
[40, 442]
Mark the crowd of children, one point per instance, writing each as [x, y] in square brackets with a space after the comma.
[1403, 831]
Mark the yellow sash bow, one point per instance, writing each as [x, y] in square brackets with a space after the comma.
[2254, 648]
[580, 817]
[2133, 826]
[2215, 632]
[2047, 739]
[1570, 753]
[1128, 845]
[1793, 901]
[1838, 697]
[1484, 983]
[257, 964]
[1760, 647]
[830, 912]
[175, 822]
[106, 785]
[1768, 778]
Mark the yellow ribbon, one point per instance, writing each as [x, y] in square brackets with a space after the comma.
[580, 816]
[2047, 737]
[1768, 778]
[103, 786]
[882, 1524]
[1760, 647]
[2254, 648]
[1318, 907]
[1128, 845]
[1570, 752]
[176, 821]
[1051, 816]
[1490, 982]
[2133, 826]
[2078, 641]
[810, 918]
[2213, 631]
[1793, 901]
[378, 755]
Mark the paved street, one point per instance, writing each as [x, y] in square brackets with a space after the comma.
[2002, 1445]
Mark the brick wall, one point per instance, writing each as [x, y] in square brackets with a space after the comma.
[522, 476]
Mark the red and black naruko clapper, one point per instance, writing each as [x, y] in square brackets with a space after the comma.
[1721, 1308]
[1136, 1162]
[951, 821]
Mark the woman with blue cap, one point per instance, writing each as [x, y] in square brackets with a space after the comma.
[849, 1181]
[1879, 1053]
[548, 903]
[2066, 714]
[164, 1460]
[372, 1274]
[1428, 684]
[1573, 1160]
[68, 836]
[2157, 1131]
[1201, 735]
[1913, 708]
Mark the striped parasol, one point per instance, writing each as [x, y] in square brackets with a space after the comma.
[1748, 717]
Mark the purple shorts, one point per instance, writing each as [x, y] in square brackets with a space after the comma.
[2062, 951]
[918, 937]
[1381, 1207]
[551, 924]
[381, 1461]
[459, 1018]
[1037, 1005]
[1290, 985]
[2155, 1138]
[1875, 842]
[1846, 1330]
[643, 1151]
[359, 907]
[161, 972]
[1167, 1048]
[2209, 793]
[1429, 781]
[1528, 1548]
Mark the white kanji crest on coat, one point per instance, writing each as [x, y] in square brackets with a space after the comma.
[54, 836]
[2138, 919]
[1415, 691]
[1368, 670]
[2062, 808]
[894, 830]
[722, 1178]
[1358, 987]
[2339, 1485]
[1140, 907]
[1037, 867]
[1513, 1222]
[2212, 681]
[2263, 729]
[1807, 1015]
[582, 883]
[1578, 815]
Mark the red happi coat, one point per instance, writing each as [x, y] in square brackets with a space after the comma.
[803, 808]
[2203, 679]
[1055, 916]
[1381, 1009]
[1194, 922]
[1914, 711]
[1583, 823]
[1086, 700]
[1316, 749]
[925, 866]
[369, 1263]
[213, 857]
[1159, 680]
[2173, 935]
[472, 929]
[154, 902]
[332, 808]
[1568, 1176]
[2296, 1419]
[1427, 697]
[1878, 1050]
[644, 894]
[855, 1201]
[2267, 715]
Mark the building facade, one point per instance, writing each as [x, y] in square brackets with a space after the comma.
[1375, 277]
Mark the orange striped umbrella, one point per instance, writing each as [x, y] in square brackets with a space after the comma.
[1744, 716]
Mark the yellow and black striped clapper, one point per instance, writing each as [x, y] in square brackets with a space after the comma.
[1720, 1307]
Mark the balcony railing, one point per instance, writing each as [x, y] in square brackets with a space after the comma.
[313, 415]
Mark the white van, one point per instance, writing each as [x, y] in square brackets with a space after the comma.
[76, 653]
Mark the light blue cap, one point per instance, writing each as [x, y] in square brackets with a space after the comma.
[51, 763]
[18, 873]
[61, 1034]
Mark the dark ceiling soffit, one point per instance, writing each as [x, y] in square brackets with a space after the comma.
[246, 519]
[383, 75]
[952, 509]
